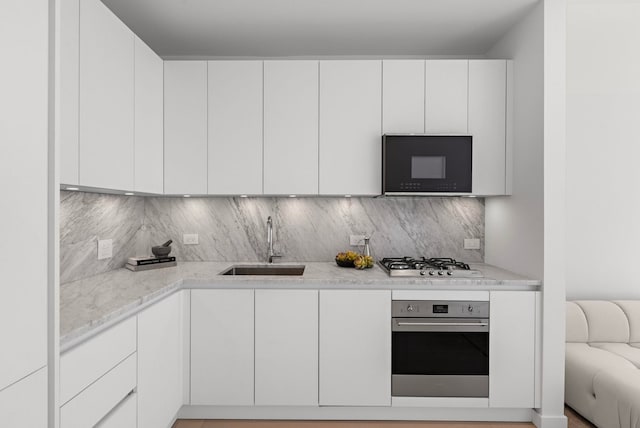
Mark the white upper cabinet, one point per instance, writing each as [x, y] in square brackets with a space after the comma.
[403, 96]
[446, 83]
[487, 125]
[106, 99]
[291, 127]
[149, 119]
[350, 127]
[185, 127]
[69, 50]
[235, 127]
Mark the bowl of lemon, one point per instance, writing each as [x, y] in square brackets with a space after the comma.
[354, 260]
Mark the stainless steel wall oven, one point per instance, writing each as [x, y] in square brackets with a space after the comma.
[440, 349]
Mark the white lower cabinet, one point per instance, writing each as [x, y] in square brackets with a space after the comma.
[101, 397]
[355, 348]
[24, 404]
[286, 348]
[160, 362]
[222, 348]
[123, 416]
[512, 342]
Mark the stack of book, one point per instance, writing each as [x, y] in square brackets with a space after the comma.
[137, 264]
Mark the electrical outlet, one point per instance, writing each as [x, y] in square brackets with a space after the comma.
[190, 239]
[472, 244]
[105, 249]
[356, 240]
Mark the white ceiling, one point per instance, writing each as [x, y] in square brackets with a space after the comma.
[281, 28]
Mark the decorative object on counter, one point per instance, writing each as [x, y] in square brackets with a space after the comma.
[367, 249]
[148, 260]
[162, 250]
[138, 268]
[353, 259]
[161, 259]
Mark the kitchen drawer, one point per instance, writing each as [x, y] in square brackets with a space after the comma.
[82, 365]
[123, 416]
[101, 397]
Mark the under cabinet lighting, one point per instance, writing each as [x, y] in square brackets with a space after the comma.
[72, 188]
[187, 196]
[243, 196]
[292, 196]
[347, 196]
[129, 194]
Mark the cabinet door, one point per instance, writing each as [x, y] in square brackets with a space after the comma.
[24, 112]
[106, 98]
[235, 127]
[222, 347]
[185, 127]
[68, 33]
[24, 404]
[487, 115]
[149, 71]
[355, 348]
[123, 416]
[291, 127]
[350, 127]
[512, 350]
[403, 96]
[446, 96]
[286, 365]
[160, 362]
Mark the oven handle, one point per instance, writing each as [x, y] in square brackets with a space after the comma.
[427, 325]
[447, 324]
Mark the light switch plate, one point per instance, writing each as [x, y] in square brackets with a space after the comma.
[472, 244]
[356, 240]
[105, 249]
[190, 239]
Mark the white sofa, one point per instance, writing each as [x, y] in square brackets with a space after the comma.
[602, 365]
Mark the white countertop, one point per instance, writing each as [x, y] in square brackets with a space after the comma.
[89, 305]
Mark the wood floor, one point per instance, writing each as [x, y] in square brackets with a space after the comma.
[575, 421]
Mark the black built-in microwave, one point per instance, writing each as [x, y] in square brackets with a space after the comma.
[414, 164]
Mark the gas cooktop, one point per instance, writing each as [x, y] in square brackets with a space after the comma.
[438, 267]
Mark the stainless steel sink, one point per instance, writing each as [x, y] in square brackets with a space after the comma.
[280, 270]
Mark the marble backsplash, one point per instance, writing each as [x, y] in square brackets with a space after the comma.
[87, 217]
[234, 229]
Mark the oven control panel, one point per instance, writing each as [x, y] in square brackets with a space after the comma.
[435, 309]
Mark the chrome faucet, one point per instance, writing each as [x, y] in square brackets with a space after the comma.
[270, 253]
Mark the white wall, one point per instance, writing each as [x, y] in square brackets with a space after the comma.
[514, 225]
[525, 232]
[603, 149]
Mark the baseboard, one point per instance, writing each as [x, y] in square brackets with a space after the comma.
[544, 421]
[356, 413]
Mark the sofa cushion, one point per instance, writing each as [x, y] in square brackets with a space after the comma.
[577, 329]
[624, 350]
[607, 321]
[582, 364]
[631, 309]
[617, 403]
